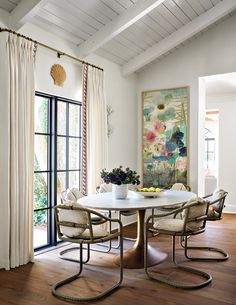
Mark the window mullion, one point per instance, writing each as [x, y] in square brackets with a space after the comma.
[54, 168]
[67, 144]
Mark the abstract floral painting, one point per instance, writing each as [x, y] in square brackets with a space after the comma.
[165, 121]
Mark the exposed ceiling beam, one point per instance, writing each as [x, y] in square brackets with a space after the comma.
[118, 25]
[24, 12]
[4, 17]
[179, 36]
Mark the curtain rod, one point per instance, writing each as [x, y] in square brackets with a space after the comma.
[59, 53]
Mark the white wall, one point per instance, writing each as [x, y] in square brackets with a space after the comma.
[211, 53]
[46, 58]
[121, 95]
[227, 144]
[120, 92]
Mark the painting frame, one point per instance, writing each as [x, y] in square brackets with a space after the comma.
[178, 173]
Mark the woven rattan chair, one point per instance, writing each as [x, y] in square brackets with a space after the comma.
[103, 188]
[73, 194]
[74, 225]
[176, 187]
[216, 205]
[194, 215]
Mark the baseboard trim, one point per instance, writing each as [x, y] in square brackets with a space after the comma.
[230, 208]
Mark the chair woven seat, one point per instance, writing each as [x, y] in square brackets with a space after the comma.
[74, 224]
[192, 222]
[216, 206]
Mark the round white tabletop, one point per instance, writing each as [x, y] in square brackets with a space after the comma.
[134, 257]
[134, 201]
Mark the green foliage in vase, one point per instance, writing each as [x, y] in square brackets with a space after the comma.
[120, 176]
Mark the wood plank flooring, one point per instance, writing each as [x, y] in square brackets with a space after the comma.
[31, 284]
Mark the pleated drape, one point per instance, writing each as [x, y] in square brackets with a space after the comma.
[95, 144]
[18, 87]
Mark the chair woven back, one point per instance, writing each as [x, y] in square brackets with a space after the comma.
[217, 204]
[181, 187]
[63, 196]
[104, 188]
[72, 194]
[194, 215]
[77, 219]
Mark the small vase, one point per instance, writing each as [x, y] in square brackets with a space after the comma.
[120, 191]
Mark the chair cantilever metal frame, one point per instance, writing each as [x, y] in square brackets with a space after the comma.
[185, 232]
[89, 226]
[184, 241]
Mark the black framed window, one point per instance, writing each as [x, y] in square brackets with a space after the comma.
[57, 161]
[210, 149]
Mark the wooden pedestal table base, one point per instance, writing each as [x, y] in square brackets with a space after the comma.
[134, 257]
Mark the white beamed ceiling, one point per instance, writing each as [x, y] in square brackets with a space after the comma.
[8, 5]
[79, 20]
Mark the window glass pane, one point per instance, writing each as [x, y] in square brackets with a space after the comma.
[41, 114]
[61, 153]
[211, 146]
[61, 118]
[61, 185]
[74, 179]
[41, 153]
[74, 120]
[74, 153]
[211, 156]
[40, 190]
[40, 228]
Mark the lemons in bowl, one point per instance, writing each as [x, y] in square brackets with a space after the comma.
[150, 189]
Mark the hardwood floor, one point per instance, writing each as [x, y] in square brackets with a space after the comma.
[31, 284]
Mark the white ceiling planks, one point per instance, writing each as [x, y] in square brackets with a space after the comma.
[182, 34]
[68, 18]
[130, 16]
[162, 21]
[172, 18]
[114, 5]
[154, 26]
[46, 25]
[120, 50]
[76, 13]
[197, 7]
[186, 8]
[151, 29]
[126, 3]
[110, 56]
[50, 17]
[131, 33]
[94, 9]
[8, 5]
[176, 11]
[207, 4]
[24, 12]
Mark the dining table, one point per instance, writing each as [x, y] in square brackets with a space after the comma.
[134, 256]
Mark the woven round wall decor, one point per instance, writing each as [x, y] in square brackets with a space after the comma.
[58, 74]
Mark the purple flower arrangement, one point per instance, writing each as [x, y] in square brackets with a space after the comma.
[120, 176]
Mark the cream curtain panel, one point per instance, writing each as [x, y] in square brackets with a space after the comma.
[17, 149]
[96, 128]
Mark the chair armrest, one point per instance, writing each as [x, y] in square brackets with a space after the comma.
[175, 212]
[207, 196]
[90, 212]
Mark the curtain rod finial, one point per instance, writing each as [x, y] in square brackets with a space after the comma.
[59, 54]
